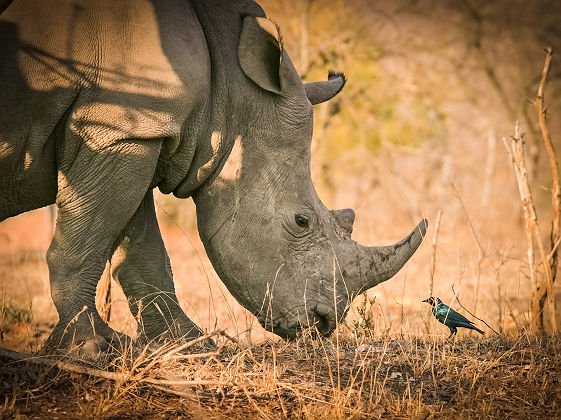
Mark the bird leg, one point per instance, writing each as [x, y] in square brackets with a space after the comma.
[453, 332]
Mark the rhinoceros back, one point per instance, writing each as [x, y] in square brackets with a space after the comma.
[90, 73]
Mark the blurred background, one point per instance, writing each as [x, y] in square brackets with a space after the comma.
[433, 87]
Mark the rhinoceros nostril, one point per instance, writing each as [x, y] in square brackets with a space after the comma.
[324, 319]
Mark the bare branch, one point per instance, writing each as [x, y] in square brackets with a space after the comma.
[516, 152]
[545, 289]
[470, 224]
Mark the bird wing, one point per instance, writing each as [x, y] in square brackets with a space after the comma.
[445, 313]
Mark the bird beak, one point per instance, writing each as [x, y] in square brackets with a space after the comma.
[426, 300]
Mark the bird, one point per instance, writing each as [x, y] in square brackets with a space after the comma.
[450, 317]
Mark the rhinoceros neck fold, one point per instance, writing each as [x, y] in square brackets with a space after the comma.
[217, 117]
[380, 263]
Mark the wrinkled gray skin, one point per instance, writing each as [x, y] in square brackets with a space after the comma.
[103, 101]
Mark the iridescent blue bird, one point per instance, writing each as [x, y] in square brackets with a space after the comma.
[450, 317]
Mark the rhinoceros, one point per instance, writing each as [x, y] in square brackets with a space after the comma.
[103, 101]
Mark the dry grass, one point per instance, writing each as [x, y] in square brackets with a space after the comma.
[340, 377]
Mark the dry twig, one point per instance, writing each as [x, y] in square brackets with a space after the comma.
[481, 255]
[465, 309]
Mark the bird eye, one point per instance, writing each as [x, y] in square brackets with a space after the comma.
[301, 220]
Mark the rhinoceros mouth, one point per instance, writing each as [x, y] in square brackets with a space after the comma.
[320, 320]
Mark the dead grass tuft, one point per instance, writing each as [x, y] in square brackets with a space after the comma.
[339, 377]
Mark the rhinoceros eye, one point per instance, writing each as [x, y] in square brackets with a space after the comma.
[301, 220]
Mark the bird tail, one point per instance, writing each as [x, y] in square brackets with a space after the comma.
[478, 330]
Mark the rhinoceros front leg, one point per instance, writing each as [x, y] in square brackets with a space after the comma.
[98, 193]
[141, 266]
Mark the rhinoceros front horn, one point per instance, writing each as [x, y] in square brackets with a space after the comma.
[380, 263]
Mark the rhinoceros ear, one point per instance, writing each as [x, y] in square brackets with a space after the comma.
[319, 92]
[263, 58]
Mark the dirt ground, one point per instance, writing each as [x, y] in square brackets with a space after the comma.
[392, 378]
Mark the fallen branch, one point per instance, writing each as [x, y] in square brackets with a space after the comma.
[163, 385]
[64, 366]
[130, 376]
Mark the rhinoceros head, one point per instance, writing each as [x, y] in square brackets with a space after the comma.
[279, 250]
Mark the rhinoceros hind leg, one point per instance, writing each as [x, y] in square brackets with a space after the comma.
[141, 266]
